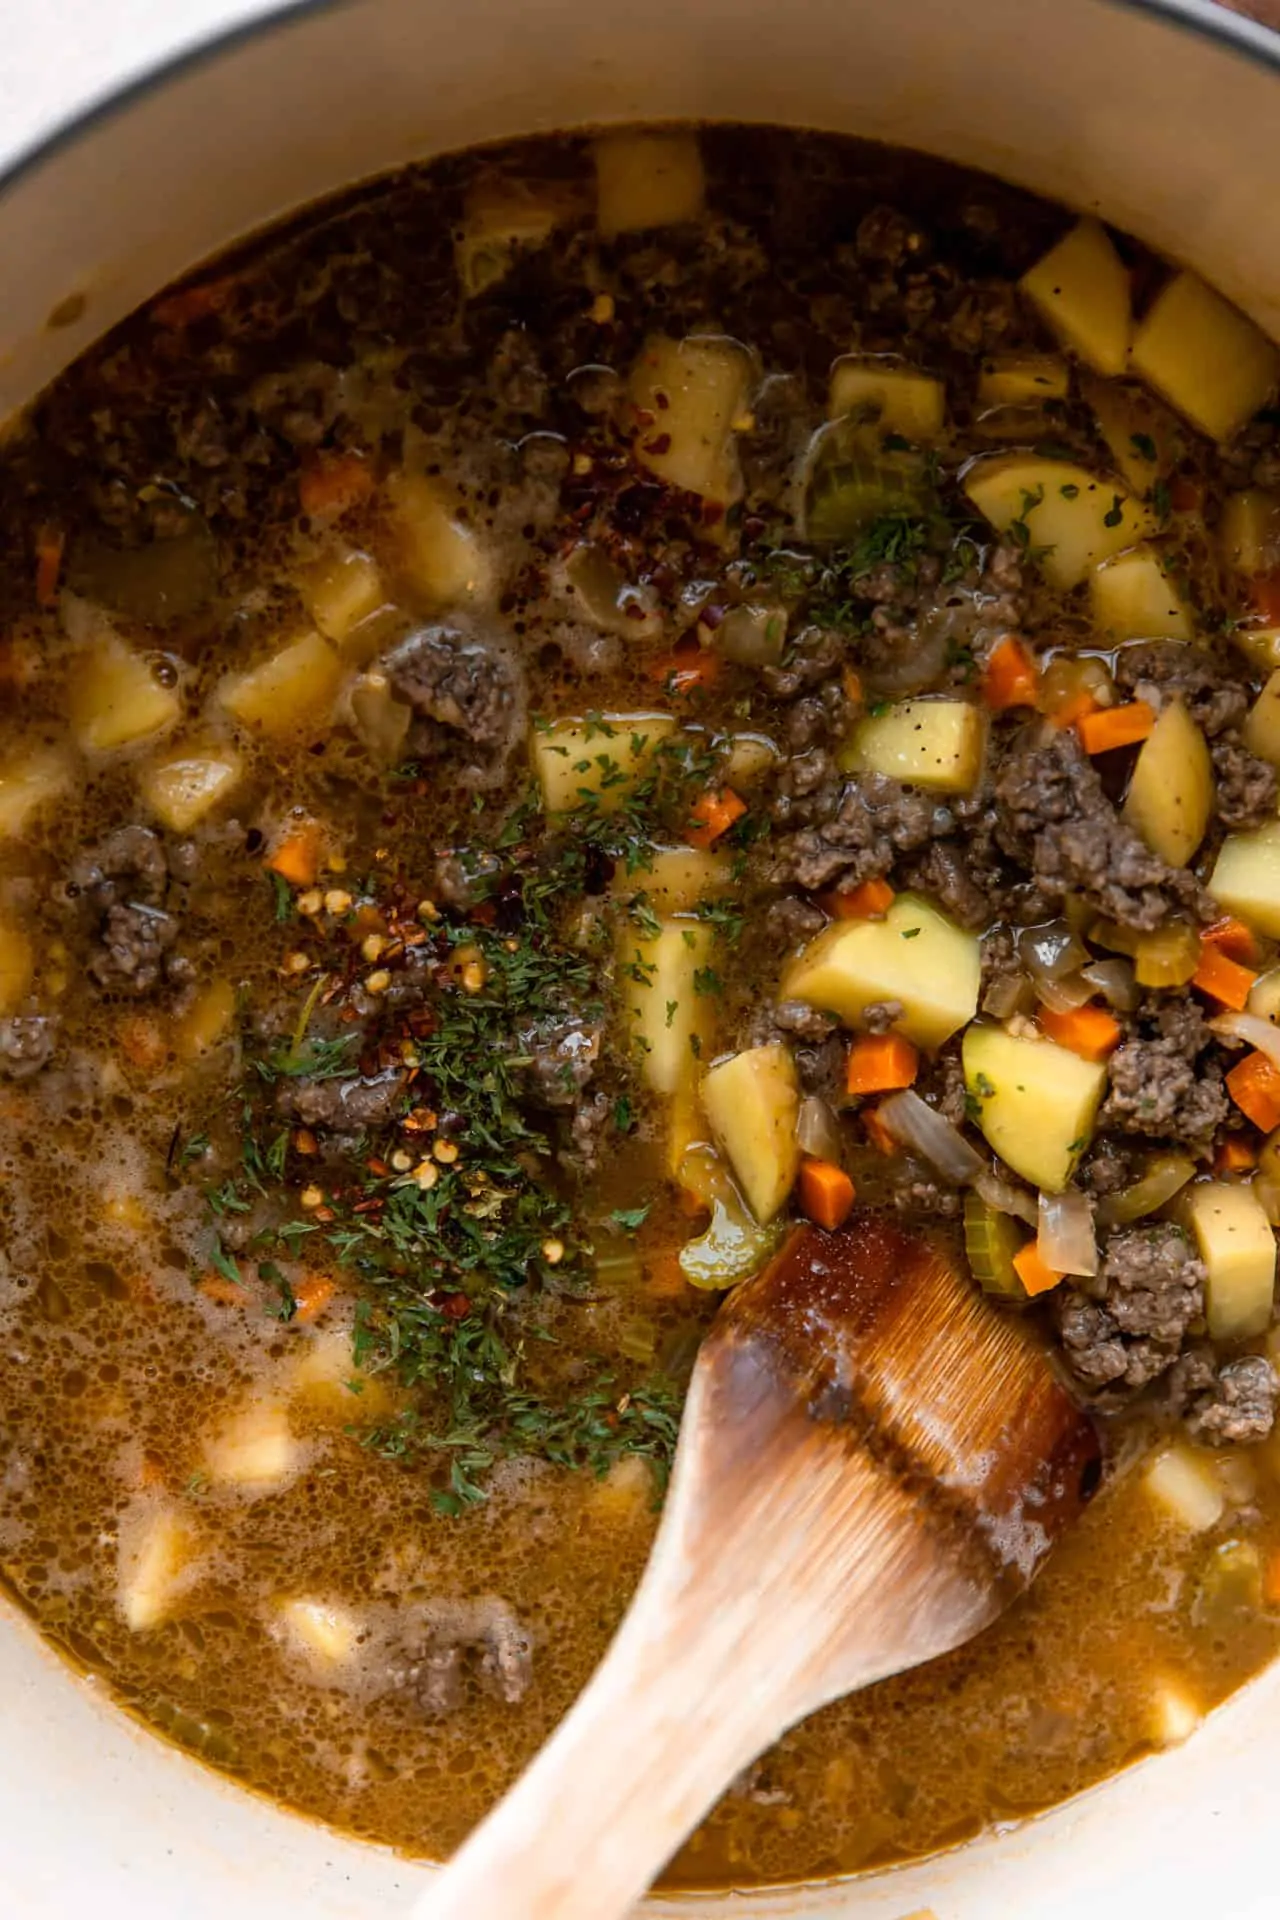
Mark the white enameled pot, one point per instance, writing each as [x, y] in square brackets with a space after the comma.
[1166, 118]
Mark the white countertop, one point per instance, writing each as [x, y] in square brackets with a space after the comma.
[58, 56]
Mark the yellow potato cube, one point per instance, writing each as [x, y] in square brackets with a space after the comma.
[328, 1385]
[1035, 1102]
[439, 557]
[207, 1021]
[1246, 878]
[157, 1547]
[1134, 599]
[647, 180]
[180, 790]
[323, 1631]
[1237, 1243]
[253, 1450]
[1173, 1714]
[1206, 358]
[896, 397]
[1262, 725]
[1170, 798]
[345, 595]
[1022, 379]
[291, 692]
[1081, 290]
[1068, 518]
[598, 760]
[1186, 1487]
[938, 744]
[752, 1102]
[1143, 437]
[915, 955]
[29, 783]
[668, 1019]
[1249, 531]
[116, 699]
[676, 878]
[686, 396]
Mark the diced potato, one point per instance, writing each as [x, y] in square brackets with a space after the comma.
[1262, 724]
[345, 595]
[668, 1020]
[291, 692]
[626, 1491]
[1143, 437]
[255, 1449]
[1249, 531]
[17, 968]
[1185, 1485]
[647, 180]
[937, 744]
[157, 1547]
[1259, 645]
[29, 783]
[183, 787]
[1022, 379]
[116, 699]
[896, 397]
[207, 1020]
[687, 395]
[1246, 878]
[676, 878]
[502, 214]
[1204, 356]
[439, 558]
[750, 757]
[597, 761]
[1081, 290]
[380, 719]
[1134, 599]
[1173, 1713]
[1073, 519]
[326, 1633]
[1238, 1246]
[1035, 1102]
[752, 1102]
[1170, 798]
[327, 1384]
[915, 955]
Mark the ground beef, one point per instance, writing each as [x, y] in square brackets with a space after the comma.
[118, 887]
[1161, 670]
[1234, 1403]
[1246, 786]
[349, 1105]
[943, 872]
[26, 1045]
[814, 659]
[444, 1641]
[917, 1191]
[461, 681]
[1057, 821]
[881, 1016]
[1159, 1083]
[791, 921]
[1125, 1325]
[822, 1066]
[587, 1132]
[873, 821]
[561, 1060]
[464, 878]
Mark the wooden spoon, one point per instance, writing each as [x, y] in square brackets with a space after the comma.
[873, 1463]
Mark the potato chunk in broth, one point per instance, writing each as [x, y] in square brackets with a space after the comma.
[577, 706]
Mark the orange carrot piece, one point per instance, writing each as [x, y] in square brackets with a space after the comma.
[1011, 677]
[1236, 1154]
[50, 545]
[714, 812]
[870, 901]
[297, 858]
[1222, 978]
[1112, 727]
[1264, 597]
[878, 1134]
[881, 1063]
[1234, 939]
[312, 1295]
[1091, 1032]
[141, 1040]
[826, 1193]
[216, 1286]
[1271, 1581]
[851, 681]
[685, 672]
[1254, 1085]
[1035, 1276]
[331, 484]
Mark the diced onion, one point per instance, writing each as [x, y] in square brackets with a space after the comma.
[1065, 1238]
[910, 1120]
[1114, 981]
[818, 1130]
[1065, 995]
[1252, 1029]
[1006, 1198]
[1050, 951]
[1008, 993]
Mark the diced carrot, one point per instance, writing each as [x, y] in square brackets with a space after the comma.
[851, 681]
[714, 812]
[141, 1041]
[1264, 597]
[193, 303]
[330, 484]
[685, 671]
[870, 901]
[1184, 494]
[1011, 677]
[50, 545]
[1222, 978]
[1079, 707]
[1091, 1032]
[826, 1193]
[1035, 1276]
[216, 1286]
[1271, 1581]
[312, 1295]
[1254, 1085]
[880, 1063]
[1114, 727]
[1236, 1154]
[879, 1135]
[297, 858]
[1232, 937]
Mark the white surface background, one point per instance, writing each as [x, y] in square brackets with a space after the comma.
[57, 55]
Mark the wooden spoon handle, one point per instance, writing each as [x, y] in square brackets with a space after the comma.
[667, 1721]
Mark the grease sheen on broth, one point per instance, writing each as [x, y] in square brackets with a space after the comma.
[459, 654]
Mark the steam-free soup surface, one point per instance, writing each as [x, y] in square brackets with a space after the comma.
[565, 713]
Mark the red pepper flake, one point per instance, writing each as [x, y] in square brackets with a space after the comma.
[661, 443]
[325, 1215]
[456, 1305]
[379, 1167]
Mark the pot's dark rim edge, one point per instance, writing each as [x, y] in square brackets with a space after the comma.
[1204, 18]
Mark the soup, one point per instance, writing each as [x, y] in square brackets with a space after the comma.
[582, 704]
